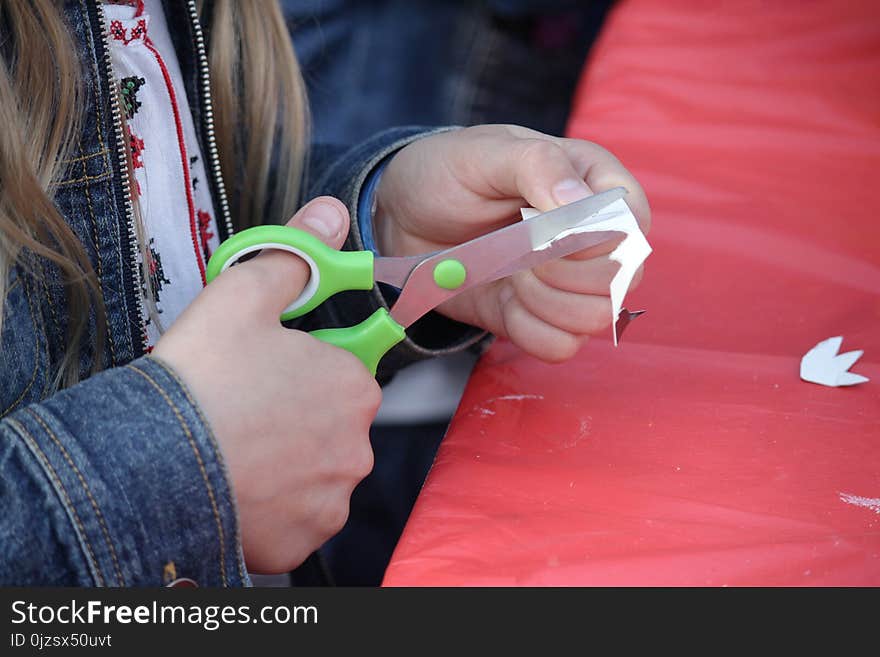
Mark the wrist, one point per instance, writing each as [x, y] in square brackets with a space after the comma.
[390, 239]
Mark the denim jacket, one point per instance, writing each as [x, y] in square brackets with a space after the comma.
[118, 480]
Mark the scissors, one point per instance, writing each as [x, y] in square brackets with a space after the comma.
[426, 280]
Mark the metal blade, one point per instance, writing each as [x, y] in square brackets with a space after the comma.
[546, 226]
[557, 249]
[395, 270]
[492, 256]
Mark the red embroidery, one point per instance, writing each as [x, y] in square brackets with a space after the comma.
[184, 159]
[205, 233]
[119, 33]
[137, 149]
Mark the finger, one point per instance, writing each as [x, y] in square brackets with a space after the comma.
[548, 171]
[283, 275]
[573, 313]
[592, 276]
[585, 277]
[533, 335]
[603, 171]
[536, 169]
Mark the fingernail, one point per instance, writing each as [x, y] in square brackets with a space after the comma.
[323, 218]
[570, 190]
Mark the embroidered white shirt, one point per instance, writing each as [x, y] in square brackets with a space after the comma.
[170, 183]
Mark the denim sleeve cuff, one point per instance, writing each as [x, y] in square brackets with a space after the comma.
[135, 482]
[367, 206]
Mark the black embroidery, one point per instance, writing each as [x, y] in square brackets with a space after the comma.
[157, 276]
[192, 161]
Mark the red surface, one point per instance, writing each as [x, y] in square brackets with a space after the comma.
[694, 454]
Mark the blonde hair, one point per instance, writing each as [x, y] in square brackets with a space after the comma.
[260, 111]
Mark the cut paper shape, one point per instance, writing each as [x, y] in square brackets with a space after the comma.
[630, 253]
[824, 366]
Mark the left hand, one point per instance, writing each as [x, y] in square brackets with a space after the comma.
[451, 187]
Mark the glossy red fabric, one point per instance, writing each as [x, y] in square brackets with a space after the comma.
[694, 454]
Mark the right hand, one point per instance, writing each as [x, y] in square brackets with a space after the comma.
[291, 414]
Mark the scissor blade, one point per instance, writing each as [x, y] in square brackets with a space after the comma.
[557, 249]
[546, 226]
[487, 258]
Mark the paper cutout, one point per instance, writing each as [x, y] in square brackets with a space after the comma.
[824, 366]
[630, 253]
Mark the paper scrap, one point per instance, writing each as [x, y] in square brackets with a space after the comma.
[630, 253]
[626, 317]
[824, 366]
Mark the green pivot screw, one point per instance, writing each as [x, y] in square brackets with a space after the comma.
[450, 274]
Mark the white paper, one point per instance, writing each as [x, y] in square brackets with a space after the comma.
[824, 366]
[630, 253]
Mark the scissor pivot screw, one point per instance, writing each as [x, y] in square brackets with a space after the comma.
[449, 274]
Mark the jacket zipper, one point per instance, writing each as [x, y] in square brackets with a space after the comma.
[133, 298]
[130, 245]
[207, 106]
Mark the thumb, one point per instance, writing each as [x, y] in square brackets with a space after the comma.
[324, 217]
[286, 274]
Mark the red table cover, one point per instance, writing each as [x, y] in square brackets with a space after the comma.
[694, 454]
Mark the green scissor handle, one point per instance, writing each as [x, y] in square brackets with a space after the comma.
[370, 340]
[332, 271]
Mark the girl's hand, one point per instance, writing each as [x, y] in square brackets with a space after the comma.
[291, 413]
[453, 186]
